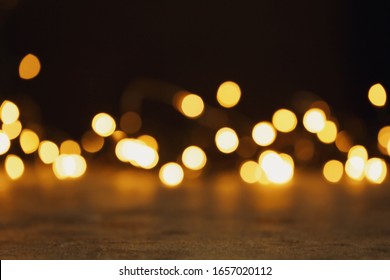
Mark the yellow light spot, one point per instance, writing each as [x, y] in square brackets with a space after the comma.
[12, 130]
[343, 141]
[278, 169]
[377, 95]
[376, 170]
[137, 153]
[284, 120]
[69, 166]
[29, 141]
[130, 122]
[250, 172]
[354, 168]
[5, 143]
[358, 151]
[314, 120]
[194, 158]
[333, 171]
[29, 67]
[192, 106]
[103, 124]
[264, 134]
[228, 94]
[118, 135]
[171, 174]
[70, 147]
[91, 142]
[48, 151]
[384, 136]
[149, 140]
[9, 112]
[329, 133]
[226, 140]
[14, 167]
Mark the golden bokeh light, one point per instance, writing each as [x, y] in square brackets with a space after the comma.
[329, 133]
[5, 143]
[191, 106]
[264, 134]
[69, 166]
[171, 174]
[228, 94]
[250, 172]
[284, 120]
[343, 141]
[333, 171]
[149, 141]
[9, 112]
[103, 124]
[384, 136]
[377, 95]
[48, 151]
[354, 168]
[70, 147]
[376, 170]
[91, 142]
[226, 140]
[29, 141]
[118, 135]
[130, 122]
[194, 158]
[314, 120]
[14, 166]
[358, 151]
[278, 169]
[13, 130]
[29, 67]
[137, 153]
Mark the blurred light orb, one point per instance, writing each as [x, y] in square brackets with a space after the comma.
[358, 151]
[48, 151]
[9, 112]
[137, 153]
[192, 105]
[228, 94]
[355, 167]
[13, 130]
[314, 120]
[149, 141]
[29, 67]
[333, 171]
[5, 143]
[171, 174]
[376, 170]
[384, 136]
[277, 168]
[284, 120]
[91, 142]
[103, 124]
[226, 140]
[70, 147]
[377, 95]
[250, 172]
[130, 122]
[343, 141]
[329, 133]
[69, 166]
[14, 167]
[264, 134]
[29, 141]
[194, 158]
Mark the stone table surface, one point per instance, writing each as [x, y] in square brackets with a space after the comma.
[122, 214]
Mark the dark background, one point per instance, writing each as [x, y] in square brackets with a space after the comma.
[91, 50]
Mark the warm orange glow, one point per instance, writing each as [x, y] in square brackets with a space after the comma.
[264, 134]
[29, 67]
[343, 141]
[69, 166]
[137, 153]
[171, 174]
[103, 124]
[284, 120]
[29, 141]
[14, 166]
[5, 143]
[191, 105]
[228, 94]
[130, 122]
[329, 133]
[226, 140]
[314, 120]
[376, 170]
[279, 169]
[354, 168]
[304, 149]
[377, 95]
[12, 130]
[250, 172]
[70, 147]
[91, 142]
[384, 136]
[9, 112]
[194, 158]
[358, 151]
[48, 151]
[149, 141]
[333, 171]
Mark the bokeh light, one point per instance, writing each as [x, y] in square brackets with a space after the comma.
[48, 151]
[194, 158]
[384, 136]
[130, 122]
[191, 106]
[9, 112]
[284, 120]
[5, 143]
[264, 134]
[377, 95]
[103, 124]
[333, 171]
[69, 166]
[91, 142]
[228, 94]
[13, 130]
[171, 174]
[376, 170]
[314, 120]
[329, 133]
[149, 141]
[250, 172]
[29, 141]
[354, 168]
[29, 67]
[137, 153]
[277, 168]
[70, 147]
[343, 141]
[226, 140]
[14, 166]
[358, 151]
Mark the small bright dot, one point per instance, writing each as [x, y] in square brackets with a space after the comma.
[264, 134]
[9, 112]
[171, 174]
[284, 120]
[69, 166]
[192, 105]
[29, 67]
[48, 151]
[91, 142]
[5, 143]
[329, 133]
[29, 141]
[250, 172]
[228, 94]
[149, 141]
[194, 158]
[376, 170]
[358, 151]
[377, 95]
[314, 120]
[354, 168]
[226, 140]
[333, 171]
[14, 167]
[70, 147]
[130, 122]
[13, 129]
[103, 124]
